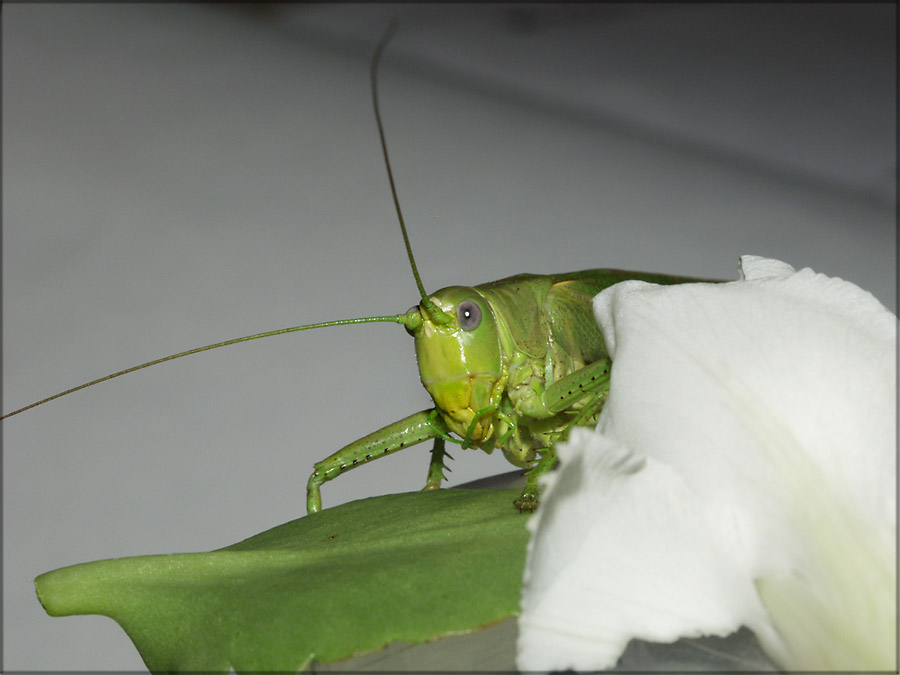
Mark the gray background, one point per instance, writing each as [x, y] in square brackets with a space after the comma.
[176, 175]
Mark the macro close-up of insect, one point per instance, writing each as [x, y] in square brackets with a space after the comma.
[176, 176]
[511, 364]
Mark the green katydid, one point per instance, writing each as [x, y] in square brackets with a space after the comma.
[513, 364]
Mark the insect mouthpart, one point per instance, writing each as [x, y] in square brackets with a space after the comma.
[460, 397]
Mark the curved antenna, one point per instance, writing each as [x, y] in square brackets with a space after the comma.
[436, 314]
[405, 319]
[410, 319]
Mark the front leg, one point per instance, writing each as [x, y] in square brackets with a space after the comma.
[411, 430]
[436, 466]
[528, 500]
[588, 386]
[592, 381]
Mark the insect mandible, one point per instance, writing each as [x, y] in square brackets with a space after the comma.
[512, 364]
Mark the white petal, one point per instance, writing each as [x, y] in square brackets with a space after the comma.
[608, 561]
[766, 411]
[757, 267]
[801, 359]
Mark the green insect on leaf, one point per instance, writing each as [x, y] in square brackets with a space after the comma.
[512, 364]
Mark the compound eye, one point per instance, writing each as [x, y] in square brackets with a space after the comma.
[468, 314]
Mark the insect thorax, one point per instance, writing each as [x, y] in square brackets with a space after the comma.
[520, 429]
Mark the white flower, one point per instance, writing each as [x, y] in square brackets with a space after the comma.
[743, 472]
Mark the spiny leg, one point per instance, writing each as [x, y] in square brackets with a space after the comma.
[590, 385]
[411, 430]
[436, 466]
[585, 417]
[568, 390]
[528, 500]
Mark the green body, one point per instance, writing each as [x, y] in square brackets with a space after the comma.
[530, 369]
[512, 364]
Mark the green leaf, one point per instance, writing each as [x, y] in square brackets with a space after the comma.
[348, 580]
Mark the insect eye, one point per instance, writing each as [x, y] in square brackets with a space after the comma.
[468, 314]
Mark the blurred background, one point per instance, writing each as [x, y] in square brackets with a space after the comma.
[176, 175]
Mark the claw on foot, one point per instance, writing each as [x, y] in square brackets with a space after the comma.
[527, 501]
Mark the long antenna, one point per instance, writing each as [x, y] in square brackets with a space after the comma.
[436, 313]
[410, 319]
[399, 318]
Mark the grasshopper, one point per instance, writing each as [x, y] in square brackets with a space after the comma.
[513, 364]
